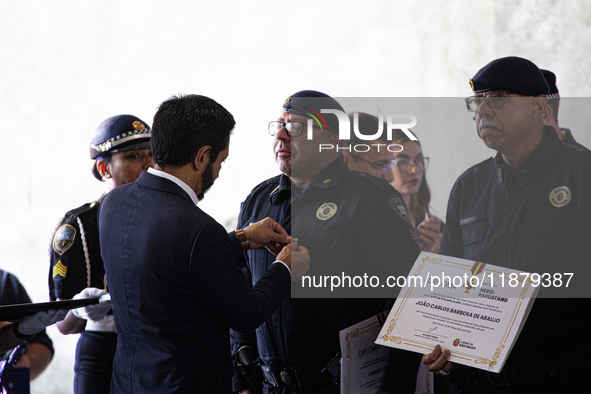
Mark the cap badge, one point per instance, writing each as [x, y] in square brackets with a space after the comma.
[471, 84]
[138, 125]
[287, 100]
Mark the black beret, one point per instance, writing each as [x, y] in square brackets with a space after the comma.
[120, 133]
[551, 79]
[513, 73]
[309, 103]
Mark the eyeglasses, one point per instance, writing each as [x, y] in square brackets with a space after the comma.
[493, 100]
[378, 165]
[421, 163]
[293, 129]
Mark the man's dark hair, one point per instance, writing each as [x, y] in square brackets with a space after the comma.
[184, 124]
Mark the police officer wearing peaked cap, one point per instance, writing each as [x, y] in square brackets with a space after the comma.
[120, 148]
[118, 133]
[528, 209]
[350, 222]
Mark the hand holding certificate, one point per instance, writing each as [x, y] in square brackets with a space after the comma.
[475, 310]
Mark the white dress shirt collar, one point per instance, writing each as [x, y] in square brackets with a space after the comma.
[176, 180]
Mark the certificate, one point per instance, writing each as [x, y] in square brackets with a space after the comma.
[363, 363]
[475, 310]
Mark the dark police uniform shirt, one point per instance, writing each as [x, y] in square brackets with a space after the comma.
[535, 218]
[75, 254]
[346, 220]
[13, 292]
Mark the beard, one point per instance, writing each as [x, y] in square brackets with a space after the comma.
[206, 181]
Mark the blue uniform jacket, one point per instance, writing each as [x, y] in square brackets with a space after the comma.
[350, 222]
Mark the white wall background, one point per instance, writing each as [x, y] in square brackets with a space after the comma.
[67, 65]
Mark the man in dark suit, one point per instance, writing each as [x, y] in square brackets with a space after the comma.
[175, 286]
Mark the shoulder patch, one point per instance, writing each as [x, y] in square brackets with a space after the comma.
[396, 203]
[399, 207]
[63, 238]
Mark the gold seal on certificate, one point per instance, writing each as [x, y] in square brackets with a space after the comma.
[475, 310]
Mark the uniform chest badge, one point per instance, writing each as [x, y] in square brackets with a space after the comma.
[326, 210]
[560, 196]
[63, 238]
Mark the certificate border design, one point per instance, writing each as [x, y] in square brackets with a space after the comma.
[490, 362]
[379, 321]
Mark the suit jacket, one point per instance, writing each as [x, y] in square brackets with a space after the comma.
[176, 290]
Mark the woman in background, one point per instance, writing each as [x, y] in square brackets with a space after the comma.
[411, 183]
[120, 148]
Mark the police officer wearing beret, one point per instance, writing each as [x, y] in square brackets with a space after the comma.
[551, 118]
[350, 222]
[120, 148]
[528, 209]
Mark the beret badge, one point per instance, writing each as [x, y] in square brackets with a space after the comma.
[138, 125]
